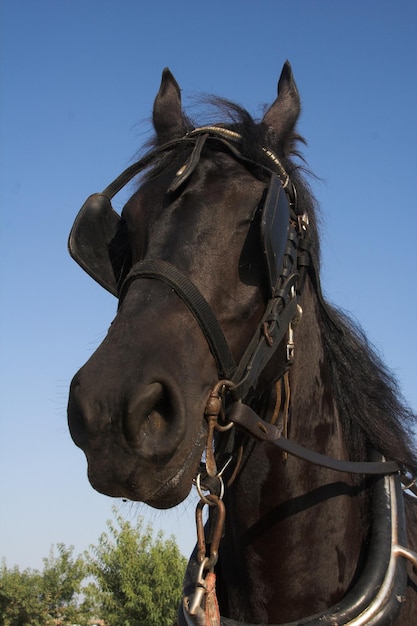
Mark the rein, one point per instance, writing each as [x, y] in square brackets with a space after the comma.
[246, 418]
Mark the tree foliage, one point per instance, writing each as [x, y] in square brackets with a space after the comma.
[130, 578]
[62, 579]
[20, 597]
[139, 576]
[47, 598]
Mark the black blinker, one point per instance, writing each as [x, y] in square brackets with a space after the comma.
[98, 243]
[274, 229]
[92, 241]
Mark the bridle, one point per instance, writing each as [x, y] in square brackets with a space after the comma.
[286, 245]
[288, 260]
[286, 248]
[284, 236]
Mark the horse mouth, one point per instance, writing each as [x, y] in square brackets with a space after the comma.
[122, 473]
[177, 488]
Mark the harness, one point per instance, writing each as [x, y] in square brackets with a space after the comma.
[376, 598]
[286, 249]
[378, 595]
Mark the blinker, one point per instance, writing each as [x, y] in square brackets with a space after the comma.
[98, 243]
[93, 241]
[274, 229]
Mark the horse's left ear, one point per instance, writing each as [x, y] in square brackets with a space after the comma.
[282, 116]
[167, 115]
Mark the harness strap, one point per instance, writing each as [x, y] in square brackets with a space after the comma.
[246, 418]
[189, 166]
[223, 135]
[195, 301]
[260, 349]
[130, 172]
[272, 329]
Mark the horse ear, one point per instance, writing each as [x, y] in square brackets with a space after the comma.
[167, 115]
[283, 114]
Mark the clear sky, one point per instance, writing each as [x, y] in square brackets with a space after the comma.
[78, 79]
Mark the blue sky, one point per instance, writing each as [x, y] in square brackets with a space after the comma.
[78, 79]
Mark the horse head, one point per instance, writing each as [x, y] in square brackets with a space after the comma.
[137, 406]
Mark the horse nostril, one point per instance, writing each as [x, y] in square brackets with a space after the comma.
[76, 418]
[147, 414]
[150, 419]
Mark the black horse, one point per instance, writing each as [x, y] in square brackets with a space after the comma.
[224, 348]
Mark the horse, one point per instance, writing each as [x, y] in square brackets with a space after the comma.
[226, 368]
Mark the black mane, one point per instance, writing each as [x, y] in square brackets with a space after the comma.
[367, 394]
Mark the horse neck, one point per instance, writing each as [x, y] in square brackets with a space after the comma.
[294, 531]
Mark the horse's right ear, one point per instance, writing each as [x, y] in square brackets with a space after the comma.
[167, 115]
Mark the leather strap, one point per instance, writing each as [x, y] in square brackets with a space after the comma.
[261, 349]
[212, 132]
[195, 301]
[189, 166]
[246, 418]
[134, 169]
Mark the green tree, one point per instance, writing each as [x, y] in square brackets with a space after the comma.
[139, 577]
[20, 597]
[61, 592]
[53, 597]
